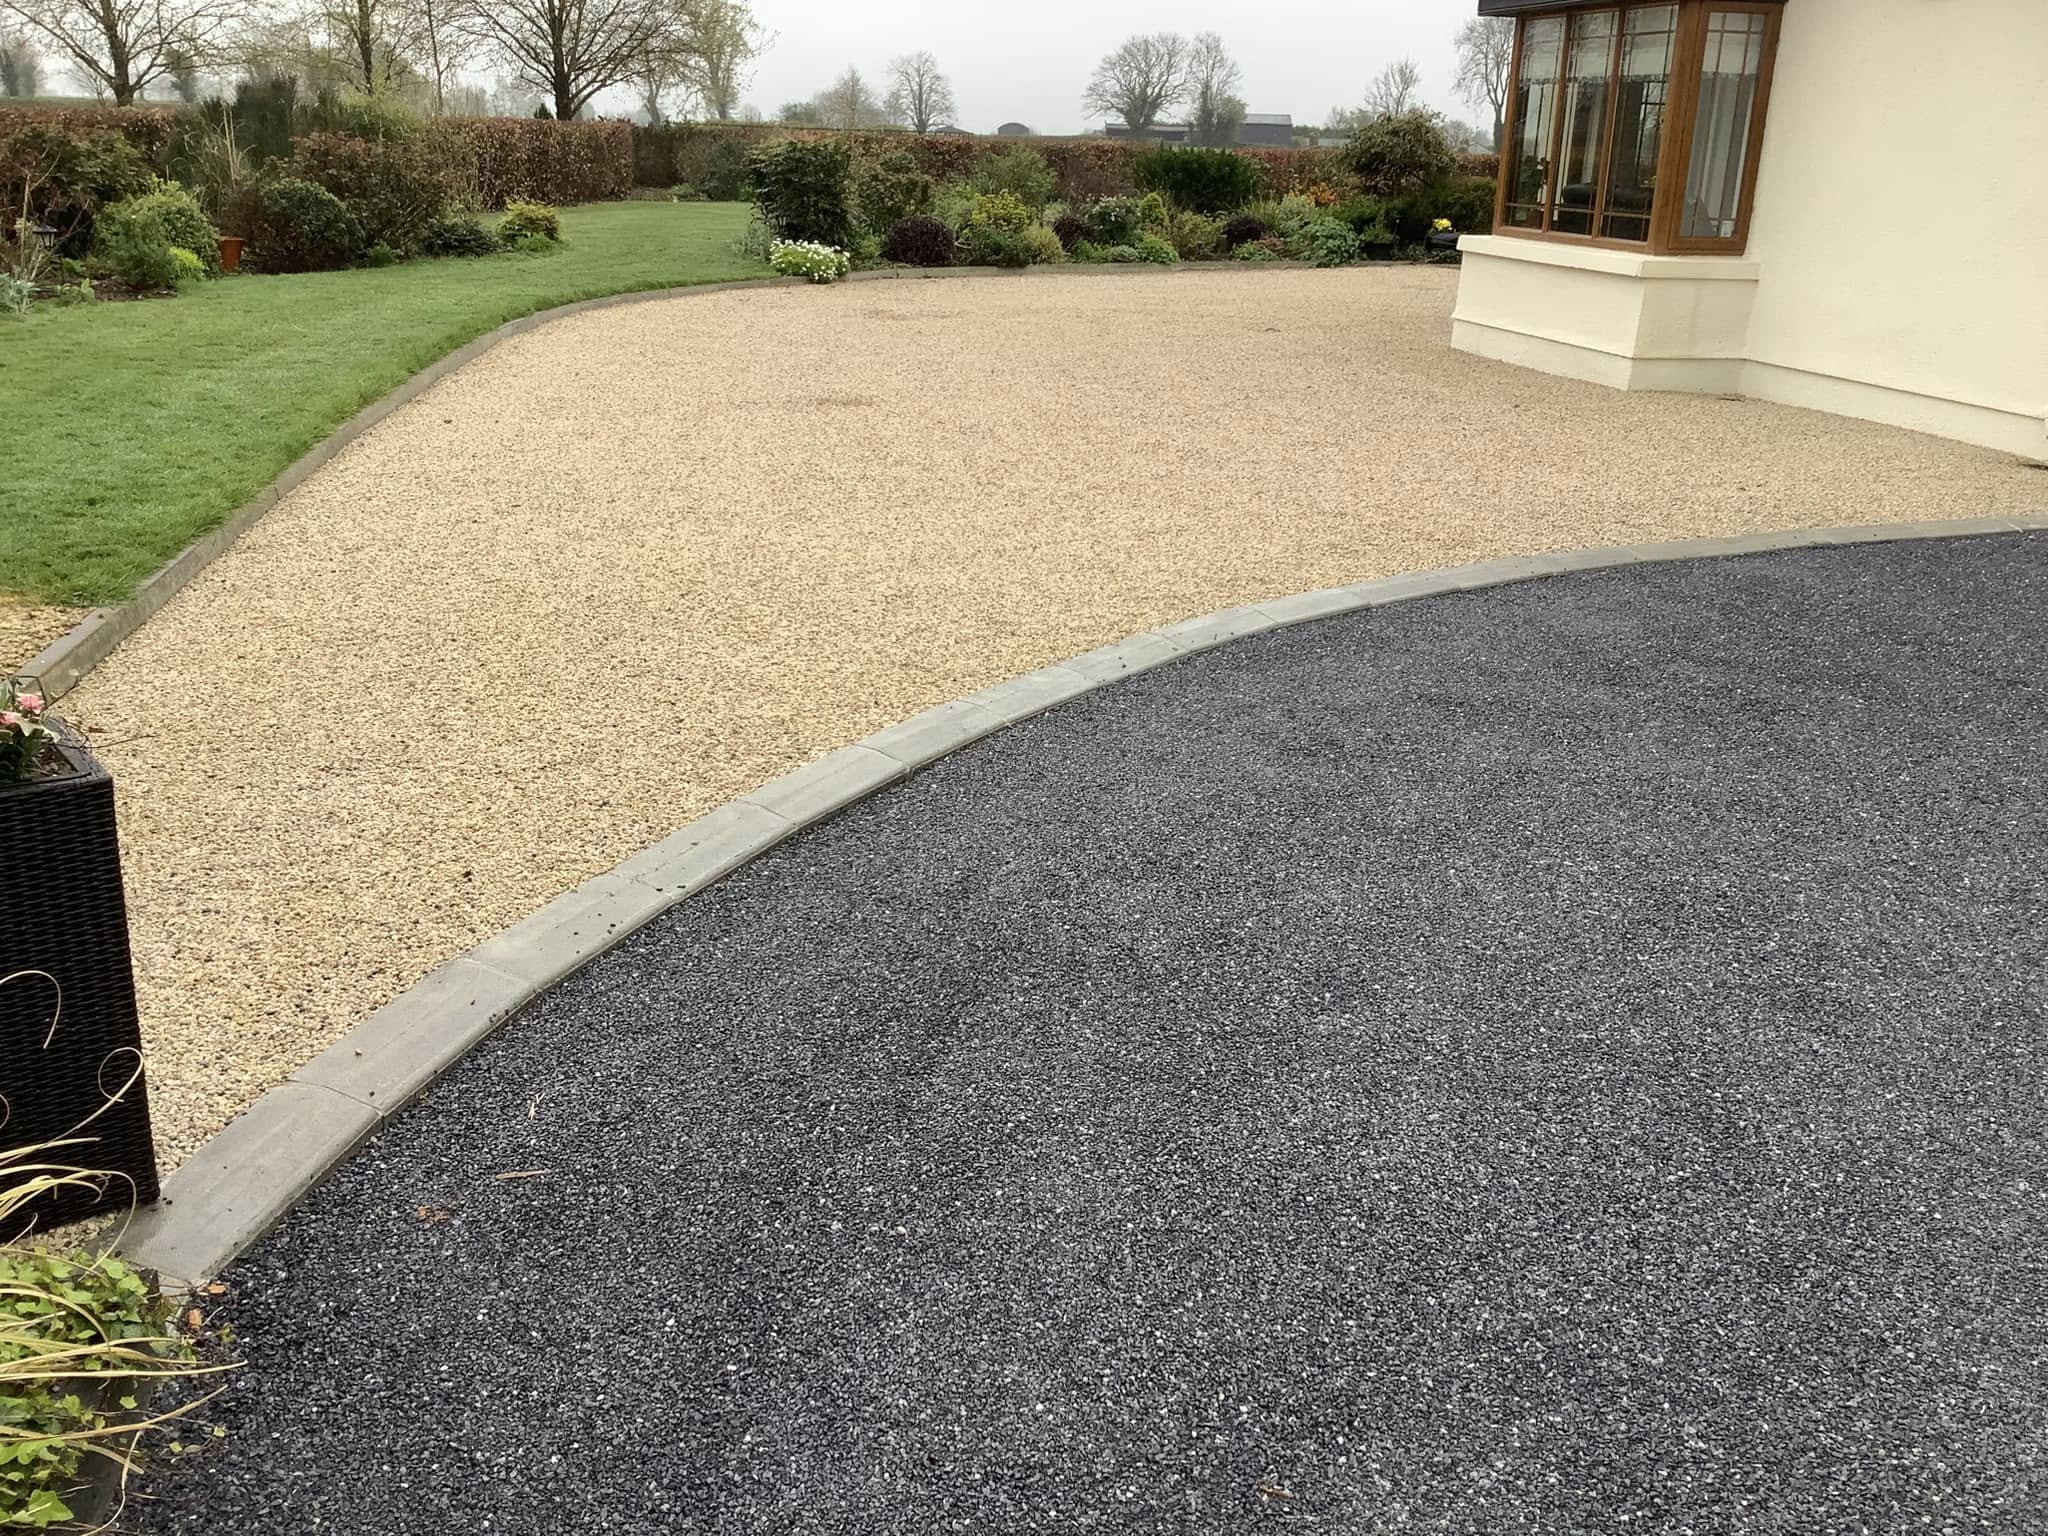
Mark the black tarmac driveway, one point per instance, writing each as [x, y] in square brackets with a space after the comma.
[1565, 1059]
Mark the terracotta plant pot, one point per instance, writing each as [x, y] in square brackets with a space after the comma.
[230, 253]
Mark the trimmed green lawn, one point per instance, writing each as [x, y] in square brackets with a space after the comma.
[127, 430]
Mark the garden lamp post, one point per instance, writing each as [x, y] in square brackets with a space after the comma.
[45, 235]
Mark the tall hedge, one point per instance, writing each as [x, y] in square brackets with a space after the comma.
[147, 128]
[538, 160]
[1086, 167]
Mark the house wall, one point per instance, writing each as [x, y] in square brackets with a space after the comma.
[1897, 266]
[1901, 220]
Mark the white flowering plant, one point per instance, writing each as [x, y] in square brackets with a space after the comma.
[23, 731]
[810, 259]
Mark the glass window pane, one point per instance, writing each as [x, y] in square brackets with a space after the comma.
[1720, 130]
[1535, 113]
[1647, 38]
[1589, 60]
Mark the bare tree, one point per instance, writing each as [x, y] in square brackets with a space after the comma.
[1486, 46]
[1146, 74]
[20, 70]
[850, 102]
[728, 39]
[374, 40]
[120, 46]
[662, 84]
[918, 94]
[1217, 111]
[572, 49]
[1392, 91]
[441, 44]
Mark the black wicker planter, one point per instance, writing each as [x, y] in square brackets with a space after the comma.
[70, 1045]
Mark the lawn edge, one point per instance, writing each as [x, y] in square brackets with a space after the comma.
[248, 1178]
[62, 664]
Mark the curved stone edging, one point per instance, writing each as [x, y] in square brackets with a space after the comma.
[64, 661]
[244, 1181]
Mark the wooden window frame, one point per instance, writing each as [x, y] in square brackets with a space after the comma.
[1674, 152]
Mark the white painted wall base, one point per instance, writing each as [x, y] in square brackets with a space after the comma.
[1680, 375]
[1677, 323]
[2008, 431]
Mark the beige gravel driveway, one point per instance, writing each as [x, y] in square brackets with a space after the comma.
[639, 561]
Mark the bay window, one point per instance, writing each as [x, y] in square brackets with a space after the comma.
[1635, 125]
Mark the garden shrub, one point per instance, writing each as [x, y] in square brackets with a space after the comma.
[396, 187]
[1202, 180]
[890, 190]
[1361, 213]
[1328, 242]
[526, 221]
[919, 241]
[1070, 229]
[533, 245]
[951, 204]
[1288, 217]
[382, 118]
[459, 234]
[1153, 248]
[683, 192]
[1122, 255]
[1043, 246]
[1152, 211]
[133, 241]
[1241, 230]
[184, 221]
[1195, 236]
[1485, 165]
[1112, 220]
[1019, 173]
[300, 226]
[808, 259]
[801, 190]
[64, 177]
[1000, 210]
[998, 245]
[1267, 249]
[186, 267]
[1394, 156]
[267, 115]
[1085, 251]
[724, 174]
[1467, 201]
[17, 294]
[380, 255]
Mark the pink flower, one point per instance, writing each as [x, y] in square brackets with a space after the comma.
[9, 717]
[32, 702]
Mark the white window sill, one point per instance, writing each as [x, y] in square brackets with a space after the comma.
[1599, 258]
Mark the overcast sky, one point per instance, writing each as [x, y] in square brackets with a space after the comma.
[1030, 60]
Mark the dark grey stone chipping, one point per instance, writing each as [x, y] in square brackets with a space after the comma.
[1567, 1058]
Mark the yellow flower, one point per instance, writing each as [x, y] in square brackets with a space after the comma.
[1441, 225]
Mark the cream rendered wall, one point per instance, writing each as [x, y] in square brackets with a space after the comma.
[1897, 266]
[1901, 220]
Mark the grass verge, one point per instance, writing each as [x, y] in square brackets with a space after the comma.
[133, 428]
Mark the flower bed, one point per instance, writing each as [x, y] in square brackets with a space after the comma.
[1394, 192]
